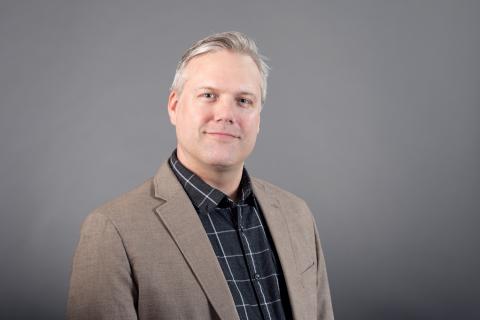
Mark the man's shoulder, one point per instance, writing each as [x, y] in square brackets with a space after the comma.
[278, 192]
[129, 204]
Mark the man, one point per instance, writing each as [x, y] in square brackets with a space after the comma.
[202, 239]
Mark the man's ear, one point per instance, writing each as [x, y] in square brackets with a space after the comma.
[172, 106]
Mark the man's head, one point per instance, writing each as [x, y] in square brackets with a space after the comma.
[215, 102]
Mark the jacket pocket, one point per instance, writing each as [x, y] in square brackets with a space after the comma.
[307, 267]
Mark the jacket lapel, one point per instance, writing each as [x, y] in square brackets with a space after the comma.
[181, 220]
[278, 226]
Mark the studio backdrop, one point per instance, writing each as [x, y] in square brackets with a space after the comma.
[372, 116]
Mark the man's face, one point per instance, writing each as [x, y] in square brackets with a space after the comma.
[217, 114]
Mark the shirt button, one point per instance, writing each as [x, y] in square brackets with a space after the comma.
[257, 277]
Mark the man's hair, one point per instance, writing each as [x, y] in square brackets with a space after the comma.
[236, 42]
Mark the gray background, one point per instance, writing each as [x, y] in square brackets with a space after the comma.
[372, 116]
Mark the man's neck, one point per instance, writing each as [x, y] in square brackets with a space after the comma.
[224, 179]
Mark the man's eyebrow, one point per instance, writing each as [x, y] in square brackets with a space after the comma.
[247, 93]
[204, 88]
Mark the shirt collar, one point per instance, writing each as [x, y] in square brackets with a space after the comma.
[202, 195]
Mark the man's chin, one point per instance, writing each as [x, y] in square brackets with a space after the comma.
[224, 163]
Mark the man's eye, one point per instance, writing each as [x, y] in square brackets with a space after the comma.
[245, 101]
[208, 95]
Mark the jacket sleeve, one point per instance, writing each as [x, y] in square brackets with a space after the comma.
[324, 304]
[101, 282]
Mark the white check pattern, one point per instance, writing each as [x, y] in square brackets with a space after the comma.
[243, 247]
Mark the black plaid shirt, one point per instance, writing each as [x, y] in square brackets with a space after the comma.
[243, 246]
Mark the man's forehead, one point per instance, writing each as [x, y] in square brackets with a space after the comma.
[223, 72]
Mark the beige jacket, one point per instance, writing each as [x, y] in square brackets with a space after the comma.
[145, 255]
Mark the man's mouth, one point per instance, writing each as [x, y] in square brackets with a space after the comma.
[222, 134]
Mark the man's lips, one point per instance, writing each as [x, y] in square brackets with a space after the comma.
[222, 134]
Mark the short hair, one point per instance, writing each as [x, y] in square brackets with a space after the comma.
[233, 41]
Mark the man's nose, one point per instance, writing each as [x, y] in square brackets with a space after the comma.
[225, 110]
